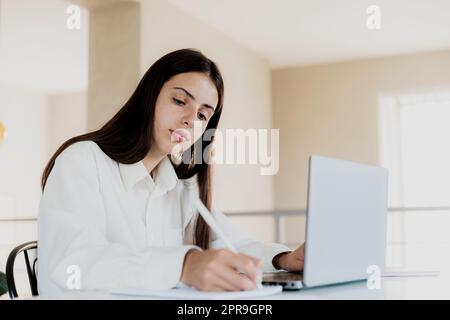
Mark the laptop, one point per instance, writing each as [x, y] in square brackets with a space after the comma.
[345, 224]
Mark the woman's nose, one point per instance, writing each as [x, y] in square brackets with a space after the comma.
[188, 119]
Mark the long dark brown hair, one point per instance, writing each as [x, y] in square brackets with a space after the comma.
[127, 137]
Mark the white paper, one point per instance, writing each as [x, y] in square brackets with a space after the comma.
[190, 293]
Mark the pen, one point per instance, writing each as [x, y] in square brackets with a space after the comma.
[207, 216]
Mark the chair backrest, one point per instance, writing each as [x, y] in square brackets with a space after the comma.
[31, 268]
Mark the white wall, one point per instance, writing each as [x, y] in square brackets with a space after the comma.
[24, 152]
[38, 51]
[23, 155]
[39, 56]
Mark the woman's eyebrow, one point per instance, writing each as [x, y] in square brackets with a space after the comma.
[193, 98]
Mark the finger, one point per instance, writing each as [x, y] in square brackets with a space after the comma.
[245, 265]
[302, 248]
[302, 252]
[236, 280]
[224, 285]
[255, 260]
[216, 283]
[295, 263]
[302, 264]
[222, 281]
[298, 252]
[258, 265]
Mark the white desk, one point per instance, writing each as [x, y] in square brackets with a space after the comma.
[391, 288]
[416, 257]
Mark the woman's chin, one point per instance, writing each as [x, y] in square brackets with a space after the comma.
[177, 149]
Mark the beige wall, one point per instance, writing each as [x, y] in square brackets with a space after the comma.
[68, 117]
[247, 93]
[113, 58]
[332, 110]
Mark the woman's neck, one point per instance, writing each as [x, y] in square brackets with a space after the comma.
[152, 159]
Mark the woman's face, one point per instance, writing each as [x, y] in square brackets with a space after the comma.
[185, 99]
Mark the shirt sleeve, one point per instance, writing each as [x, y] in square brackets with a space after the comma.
[72, 231]
[245, 243]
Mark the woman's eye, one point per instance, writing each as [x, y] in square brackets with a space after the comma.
[178, 102]
[201, 116]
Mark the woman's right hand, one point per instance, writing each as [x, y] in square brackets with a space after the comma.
[220, 270]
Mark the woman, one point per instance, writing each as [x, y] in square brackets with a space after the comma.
[117, 212]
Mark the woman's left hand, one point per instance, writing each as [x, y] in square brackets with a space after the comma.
[292, 261]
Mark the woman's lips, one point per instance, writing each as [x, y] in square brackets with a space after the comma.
[178, 135]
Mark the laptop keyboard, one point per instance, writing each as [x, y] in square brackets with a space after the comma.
[282, 276]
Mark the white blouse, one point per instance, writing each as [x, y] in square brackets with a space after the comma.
[113, 226]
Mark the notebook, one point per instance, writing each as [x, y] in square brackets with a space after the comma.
[190, 293]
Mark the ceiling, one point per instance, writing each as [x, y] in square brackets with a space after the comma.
[302, 32]
[39, 52]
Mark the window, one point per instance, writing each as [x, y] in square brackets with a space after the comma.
[415, 147]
